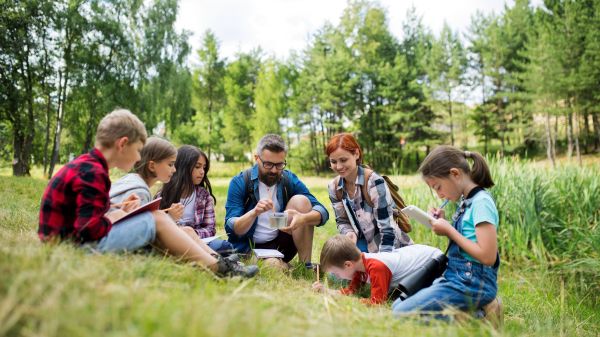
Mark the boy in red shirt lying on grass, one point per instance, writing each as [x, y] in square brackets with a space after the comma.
[384, 271]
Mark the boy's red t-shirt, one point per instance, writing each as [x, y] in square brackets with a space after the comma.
[75, 201]
[379, 275]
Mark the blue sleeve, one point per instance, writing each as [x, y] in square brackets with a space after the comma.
[484, 210]
[298, 187]
[234, 207]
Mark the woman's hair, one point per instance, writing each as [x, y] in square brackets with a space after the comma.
[345, 141]
[443, 158]
[156, 149]
[337, 250]
[181, 183]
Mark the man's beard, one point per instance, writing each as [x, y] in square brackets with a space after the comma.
[269, 178]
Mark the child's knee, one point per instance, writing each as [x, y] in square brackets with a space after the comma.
[162, 220]
[188, 230]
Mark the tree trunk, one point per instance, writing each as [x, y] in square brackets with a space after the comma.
[596, 122]
[59, 119]
[451, 120]
[569, 135]
[586, 129]
[576, 137]
[549, 143]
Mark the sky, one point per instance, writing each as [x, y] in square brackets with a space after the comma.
[279, 26]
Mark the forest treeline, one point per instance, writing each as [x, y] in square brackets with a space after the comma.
[521, 82]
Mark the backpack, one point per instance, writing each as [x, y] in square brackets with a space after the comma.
[400, 218]
[250, 187]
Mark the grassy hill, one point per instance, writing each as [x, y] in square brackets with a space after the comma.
[549, 285]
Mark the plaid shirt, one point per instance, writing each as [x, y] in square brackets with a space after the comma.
[204, 215]
[76, 199]
[377, 222]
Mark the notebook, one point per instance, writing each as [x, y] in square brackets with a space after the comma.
[418, 214]
[210, 238]
[267, 253]
[151, 206]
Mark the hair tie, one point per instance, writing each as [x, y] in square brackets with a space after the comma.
[467, 154]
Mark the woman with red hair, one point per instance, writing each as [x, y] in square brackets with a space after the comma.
[366, 219]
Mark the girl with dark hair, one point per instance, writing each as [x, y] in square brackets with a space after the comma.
[191, 187]
[361, 200]
[470, 279]
[158, 164]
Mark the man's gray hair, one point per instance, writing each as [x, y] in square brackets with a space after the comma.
[271, 142]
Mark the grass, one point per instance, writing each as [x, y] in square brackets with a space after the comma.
[60, 290]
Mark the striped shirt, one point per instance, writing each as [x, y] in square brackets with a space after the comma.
[204, 215]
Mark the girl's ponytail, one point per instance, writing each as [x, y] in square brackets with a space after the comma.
[443, 158]
[480, 172]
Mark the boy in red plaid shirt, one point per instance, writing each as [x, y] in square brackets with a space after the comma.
[76, 205]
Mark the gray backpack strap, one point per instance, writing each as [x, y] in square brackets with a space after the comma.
[248, 187]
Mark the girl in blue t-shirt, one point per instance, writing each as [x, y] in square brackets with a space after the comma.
[470, 280]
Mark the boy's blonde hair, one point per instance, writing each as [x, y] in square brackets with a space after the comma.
[156, 149]
[337, 250]
[117, 124]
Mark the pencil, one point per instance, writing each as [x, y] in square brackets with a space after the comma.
[121, 204]
[166, 210]
[317, 273]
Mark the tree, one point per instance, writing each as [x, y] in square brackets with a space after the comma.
[239, 83]
[446, 69]
[209, 93]
[269, 97]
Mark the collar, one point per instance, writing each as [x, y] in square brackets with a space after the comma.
[360, 179]
[95, 153]
[474, 191]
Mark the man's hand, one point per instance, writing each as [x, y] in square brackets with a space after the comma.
[296, 222]
[262, 206]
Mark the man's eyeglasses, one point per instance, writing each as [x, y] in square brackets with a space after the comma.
[269, 165]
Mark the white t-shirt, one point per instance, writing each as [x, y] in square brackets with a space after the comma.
[404, 261]
[263, 231]
[189, 211]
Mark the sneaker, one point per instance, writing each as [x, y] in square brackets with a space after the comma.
[310, 266]
[494, 312]
[228, 268]
[233, 258]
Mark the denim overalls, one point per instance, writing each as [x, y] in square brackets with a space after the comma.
[465, 285]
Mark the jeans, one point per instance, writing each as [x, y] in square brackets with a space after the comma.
[129, 235]
[224, 248]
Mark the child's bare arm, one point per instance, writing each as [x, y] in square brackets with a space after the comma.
[484, 250]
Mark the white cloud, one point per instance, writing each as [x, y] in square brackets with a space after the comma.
[279, 26]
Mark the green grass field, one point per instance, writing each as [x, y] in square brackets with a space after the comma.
[548, 281]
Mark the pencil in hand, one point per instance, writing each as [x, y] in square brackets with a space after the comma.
[121, 204]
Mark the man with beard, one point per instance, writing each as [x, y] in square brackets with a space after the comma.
[256, 193]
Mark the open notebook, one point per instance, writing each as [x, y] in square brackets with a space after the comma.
[151, 206]
[267, 253]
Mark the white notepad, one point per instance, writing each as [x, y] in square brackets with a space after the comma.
[418, 214]
[267, 253]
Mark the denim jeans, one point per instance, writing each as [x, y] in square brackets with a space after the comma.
[465, 285]
[224, 248]
[129, 235]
